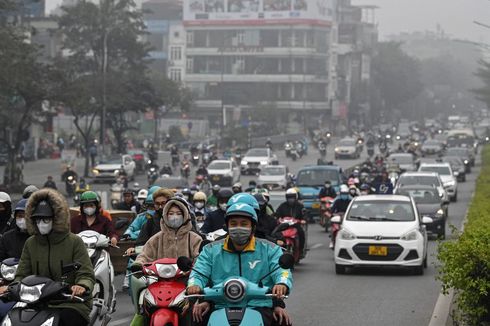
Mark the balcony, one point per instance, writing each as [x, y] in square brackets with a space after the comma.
[256, 51]
[254, 78]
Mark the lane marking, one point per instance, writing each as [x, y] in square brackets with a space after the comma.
[120, 321]
[316, 245]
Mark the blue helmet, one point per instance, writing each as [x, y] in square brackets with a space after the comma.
[21, 205]
[243, 198]
[153, 189]
[241, 209]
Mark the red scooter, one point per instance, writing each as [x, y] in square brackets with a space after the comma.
[164, 299]
[287, 230]
[325, 212]
[334, 229]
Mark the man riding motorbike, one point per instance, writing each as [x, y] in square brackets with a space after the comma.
[237, 188]
[241, 253]
[202, 170]
[65, 177]
[128, 203]
[213, 199]
[293, 208]
[342, 201]
[265, 222]
[327, 190]
[166, 169]
[216, 219]
[12, 241]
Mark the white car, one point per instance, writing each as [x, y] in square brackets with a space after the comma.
[223, 172]
[347, 147]
[381, 230]
[274, 176]
[256, 159]
[447, 177]
[109, 169]
[422, 179]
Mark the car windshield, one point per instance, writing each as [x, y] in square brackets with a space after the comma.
[317, 177]
[418, 180]
[171, 183]
[347, 142]
[425, 196]
[457, 151]
[400, 159]
[432, 143]
[442, 170]
[273, 170]
[381, 210]
[111, 160]
[219, 166]
[257, 152]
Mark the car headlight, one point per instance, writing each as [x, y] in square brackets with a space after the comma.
[116, 172]
[95, 171]
[410, 236]
[449, 183]
[244, 162]
[466, 162]
[456, 173]
[166, 270]
[30, 294]
[347, 235]
[398, 137]
[8, 272]
[263, 162]
[440, 212]
[337, 149]
[487, 138]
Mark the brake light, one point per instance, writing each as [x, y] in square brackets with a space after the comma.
[138, 157]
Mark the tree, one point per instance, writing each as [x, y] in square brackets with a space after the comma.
[396, 77]
[483, 72]
[24, 86]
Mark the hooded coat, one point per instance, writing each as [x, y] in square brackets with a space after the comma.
[45, 255]
[171, 243]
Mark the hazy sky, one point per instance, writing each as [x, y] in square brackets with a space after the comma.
[455, 16]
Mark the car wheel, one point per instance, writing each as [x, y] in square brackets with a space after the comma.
[340, 269]
[419, 270]
[455, 198]
[425, 262]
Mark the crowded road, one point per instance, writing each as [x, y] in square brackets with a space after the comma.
[320, 297]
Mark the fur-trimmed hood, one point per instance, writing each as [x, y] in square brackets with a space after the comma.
[61, 222]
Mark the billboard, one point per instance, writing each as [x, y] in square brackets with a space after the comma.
[250, 12]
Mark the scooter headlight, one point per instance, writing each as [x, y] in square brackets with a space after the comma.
[234, 290]
[8, 272]
[30, 294]
[166, 270]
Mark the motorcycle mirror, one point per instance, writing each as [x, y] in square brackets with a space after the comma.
[184, 263]
[286, 261]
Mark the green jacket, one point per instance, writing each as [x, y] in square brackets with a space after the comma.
[44, 255]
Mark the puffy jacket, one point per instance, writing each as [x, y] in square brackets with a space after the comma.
[12, 242]
[171, 243]
[44, 255]
[134, 228]
[286, 210]
[219, 261]
[214, 221]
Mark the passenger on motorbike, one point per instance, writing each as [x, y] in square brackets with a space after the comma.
[202, 170]
[353, 191]
[12, 241]
[216, 219]
[327, 190]
[50, 183]
[128, 203]
[266, 223]
[241, 253]
[141, 197]
[47, 219]
[90, 218]
[199, 204]
[213, 199]
[342, 201]
[383, 185]
[237, 188]
[293, 208]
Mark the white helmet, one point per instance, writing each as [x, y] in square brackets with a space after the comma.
[4, 197]
[344, 189]
[142, 194]
[291, 192]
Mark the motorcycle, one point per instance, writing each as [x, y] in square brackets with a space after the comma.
[164, 298]
[185, 170]
[71, 185]
[287, 230]
[235, 293]
[8, 270]
[370, 151]
[104, 292]
[335, 228]
[175, 159]
[152, 175]
[294, 154]
[206, 158]
[360, 144]
[287, 148]
[238, 158]
[325, 212]
[34, 293]
[328, 137]
[116, 194]
[195, 159]
[322, 148]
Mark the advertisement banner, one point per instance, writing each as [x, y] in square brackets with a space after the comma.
[238, 12]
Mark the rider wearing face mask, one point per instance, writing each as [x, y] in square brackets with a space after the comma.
[50, 247]
[327, 190]
[176, 237]
[291, 207]
[12, 241]
[216, 219]
[242, 254]
[90, 218]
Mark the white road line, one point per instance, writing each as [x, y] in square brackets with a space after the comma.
[124, 321]
[316, 245]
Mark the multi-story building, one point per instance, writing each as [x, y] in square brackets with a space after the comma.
[243, 54]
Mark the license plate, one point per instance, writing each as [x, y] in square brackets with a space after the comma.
[378, 251]
[216, 177]
[315, 205]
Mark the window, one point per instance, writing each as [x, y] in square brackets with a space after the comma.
[175, 74]
[190, 38]
[175, 53]
[190, 65]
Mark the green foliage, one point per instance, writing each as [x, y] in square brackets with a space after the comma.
[483, 72]
[466, 261]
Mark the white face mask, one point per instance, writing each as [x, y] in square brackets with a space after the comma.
[175, 221]
[199, 204]
[21, 223]
[89, 211]
[44, 228]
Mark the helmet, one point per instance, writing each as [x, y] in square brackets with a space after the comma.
[194, 188]
[243, 198]
[89, 197]
[237, 185]
[186, 192]
[199, 196]
[142, 194]
[241, 210]
[352, 187]
[260, 199]
[28, 191]
[344, 189]
[364, 186]
[43, 209]
[153, 189]
[291, 193]
[4, 197]
[21, 205]
[149, 200]
[216, 188]
[225, 194]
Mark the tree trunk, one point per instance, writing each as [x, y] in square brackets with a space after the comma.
[87, 157]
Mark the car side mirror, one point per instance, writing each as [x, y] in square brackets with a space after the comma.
[427, 220]
[335, 219]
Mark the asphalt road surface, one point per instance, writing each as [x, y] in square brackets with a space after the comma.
[320, 297]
